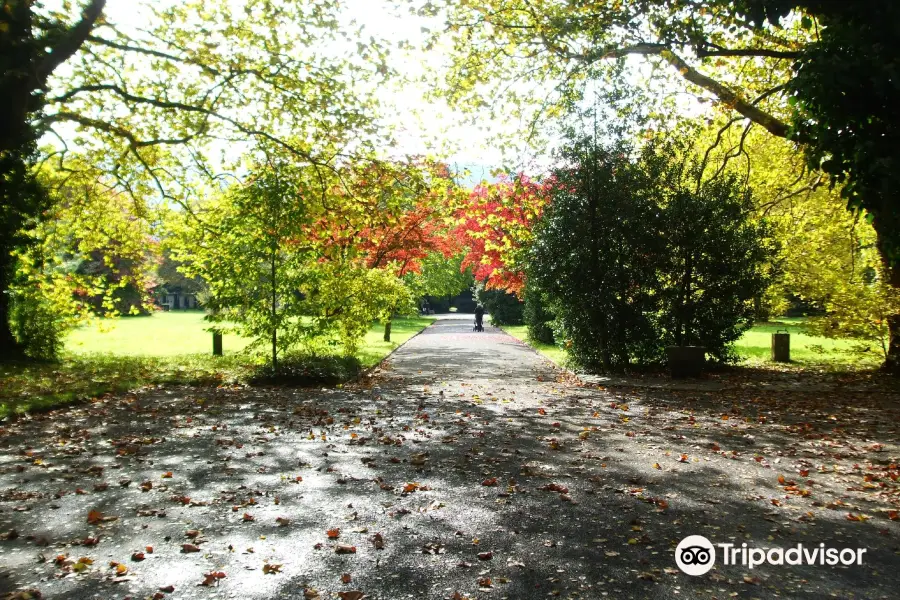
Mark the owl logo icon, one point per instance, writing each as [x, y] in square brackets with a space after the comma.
[695, 555]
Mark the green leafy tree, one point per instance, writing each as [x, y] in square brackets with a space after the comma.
[639, 253]
[83, 257]
[828, 257]
[155, 107]
[267, 252]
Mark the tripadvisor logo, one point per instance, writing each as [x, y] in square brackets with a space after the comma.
[696, 555]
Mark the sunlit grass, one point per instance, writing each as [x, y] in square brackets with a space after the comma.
[171, 347]
[755, 348]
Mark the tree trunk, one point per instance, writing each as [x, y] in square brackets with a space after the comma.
[892, 362]
[387, 330]
[881, 224]
[274, 315]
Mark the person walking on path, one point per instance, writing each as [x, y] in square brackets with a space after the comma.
[479, 318]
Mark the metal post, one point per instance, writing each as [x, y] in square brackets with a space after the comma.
[217, 343]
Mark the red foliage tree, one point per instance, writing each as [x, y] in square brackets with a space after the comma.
[495, 225]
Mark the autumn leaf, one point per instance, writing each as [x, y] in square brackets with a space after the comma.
[485, 555]
[354, 595]
[346, 578]
[333, 534]
[167, 475]
[378, 541]
[271, 569]
[189, 548]
[212, 578]
[344, 549]
[489, 482]
[137, 556]
[248, 517]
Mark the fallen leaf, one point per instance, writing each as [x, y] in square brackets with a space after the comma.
[212, 578]
[344, 549]
[333, 534]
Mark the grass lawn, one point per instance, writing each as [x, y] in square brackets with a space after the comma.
[755, 348]
[166, 347]
[554, 353]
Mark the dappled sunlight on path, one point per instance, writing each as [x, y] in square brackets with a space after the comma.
[465, 464]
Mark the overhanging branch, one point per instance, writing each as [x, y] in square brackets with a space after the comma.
[70, 42]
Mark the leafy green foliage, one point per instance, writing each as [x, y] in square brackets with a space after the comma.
[536, 316]
[87, 255]
[281, 265]
[634, 255]
[305, 370]
[828, 257]
[503, 307]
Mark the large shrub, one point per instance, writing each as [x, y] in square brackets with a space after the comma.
[503, 307]
[536, 316]
[634, 255]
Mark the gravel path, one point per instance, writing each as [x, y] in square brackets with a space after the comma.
[466, 467]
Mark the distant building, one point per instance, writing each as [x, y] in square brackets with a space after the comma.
[175, 298]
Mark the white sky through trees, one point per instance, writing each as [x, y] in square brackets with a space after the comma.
[421, 123]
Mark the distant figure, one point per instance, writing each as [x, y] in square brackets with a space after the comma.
[479, 318]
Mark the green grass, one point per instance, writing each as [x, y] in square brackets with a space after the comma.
[807, 351]
[554, 353]
[755, 346]
[170, 347]
[159, 334]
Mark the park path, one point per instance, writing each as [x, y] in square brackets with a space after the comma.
[466, 466]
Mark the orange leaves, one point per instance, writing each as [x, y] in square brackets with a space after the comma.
[212, 578]
[95, 517]
[489, 482]
[271, 568]
[167, 475]
[187, 548]
[333, 534]
[344, 549]
[541, 411]
[247, 518]
[893, 515]
[861, 518]
[555, 487]
[683, 458]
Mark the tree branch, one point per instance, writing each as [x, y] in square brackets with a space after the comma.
[781, 54]
[725, 94]
[71, 42]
